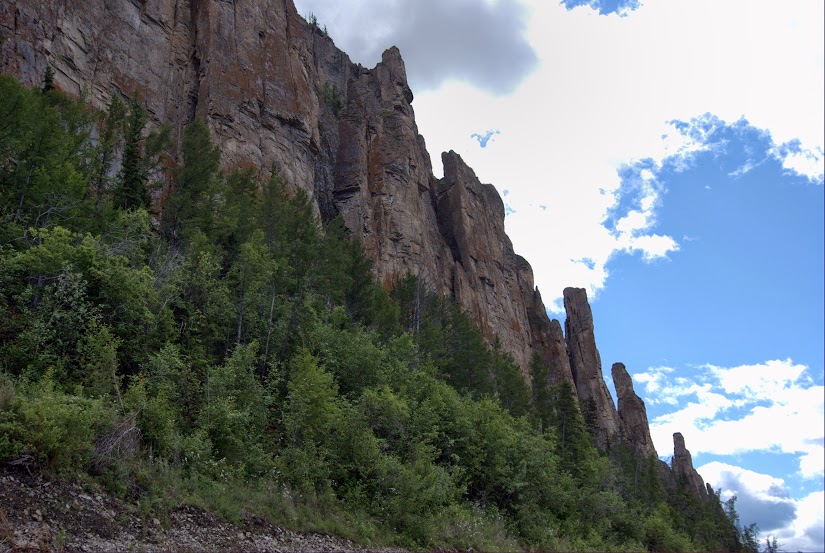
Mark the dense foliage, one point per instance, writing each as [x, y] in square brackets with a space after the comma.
[230, 351]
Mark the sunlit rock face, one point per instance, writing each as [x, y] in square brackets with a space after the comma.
[682, 466]
[275, 91]
[632, 414]
[586, 366]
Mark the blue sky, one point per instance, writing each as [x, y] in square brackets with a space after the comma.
[724, 337]
[667, 155]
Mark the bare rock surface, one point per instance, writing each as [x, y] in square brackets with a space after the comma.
[383, 183]
[682, 465]
[557, 356]
[275, 90]
[488, 279]
[586, 366]
[56, 515]
[632, 413]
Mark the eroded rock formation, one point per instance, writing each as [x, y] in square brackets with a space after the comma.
[632, 414]
[682, 465]
[274, 89]
[586, 366]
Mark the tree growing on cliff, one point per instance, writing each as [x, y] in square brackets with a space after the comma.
[48, 80]
[188, 207]
[131, 191]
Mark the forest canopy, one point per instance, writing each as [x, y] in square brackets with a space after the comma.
[166, 325]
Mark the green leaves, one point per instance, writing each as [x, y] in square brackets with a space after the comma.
[250, 344]
[58, 429]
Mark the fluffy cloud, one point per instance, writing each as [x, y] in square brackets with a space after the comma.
[482, 43]
[766, 500]
[769, 406]
[761, 498]
[591, 97]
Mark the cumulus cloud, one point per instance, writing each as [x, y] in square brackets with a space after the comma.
[770, 406]
[482, 43]
[592, 98]
[766, 500]
[761, 498]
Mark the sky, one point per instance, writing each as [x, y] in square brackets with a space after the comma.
[666, 155]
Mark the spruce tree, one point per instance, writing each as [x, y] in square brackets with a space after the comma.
[48, 79]
[131, 192]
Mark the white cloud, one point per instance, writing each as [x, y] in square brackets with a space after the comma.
[662, 387]
[764, 381]
[596, 104]
[807, 163]
[653, 246]
[766, 500]
[772, 406]
[806, 534]
[599, 99]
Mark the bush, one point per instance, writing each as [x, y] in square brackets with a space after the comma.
[59, 430]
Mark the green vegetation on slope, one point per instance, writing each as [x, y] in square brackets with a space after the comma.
[232, 353]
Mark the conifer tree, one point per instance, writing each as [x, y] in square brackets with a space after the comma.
[48, 80]
[110, 135]
[186, 209]
[131, 192]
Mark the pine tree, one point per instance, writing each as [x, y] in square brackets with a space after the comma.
[110, 134]
[48, 80]
[131, 192]
[541, 398]
[187, 208]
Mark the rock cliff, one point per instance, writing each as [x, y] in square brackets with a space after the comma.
[682, 466]
[275, 90]
[632, 414]
[586, 366]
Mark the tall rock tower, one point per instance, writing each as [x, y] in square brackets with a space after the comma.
[586, 366]
[632, 414]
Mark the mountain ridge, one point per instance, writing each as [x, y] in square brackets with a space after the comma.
[275, 90]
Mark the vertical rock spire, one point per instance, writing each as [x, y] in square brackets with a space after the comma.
[586, 366]
[683, 466]
[632, 413]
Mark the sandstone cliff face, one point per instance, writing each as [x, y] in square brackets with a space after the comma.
[586, 366]
[632, 413]
[274, 90]
[682, 465]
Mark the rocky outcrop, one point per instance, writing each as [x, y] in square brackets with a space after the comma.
[274, 89]
[488, 279]
[632, 414]
[682, 466]
[586, 366]
[383, 184]
[555, 353]
[244, 67]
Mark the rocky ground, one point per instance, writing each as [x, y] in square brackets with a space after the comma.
[42, 514]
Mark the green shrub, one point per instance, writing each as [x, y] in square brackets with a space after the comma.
[58, 429]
